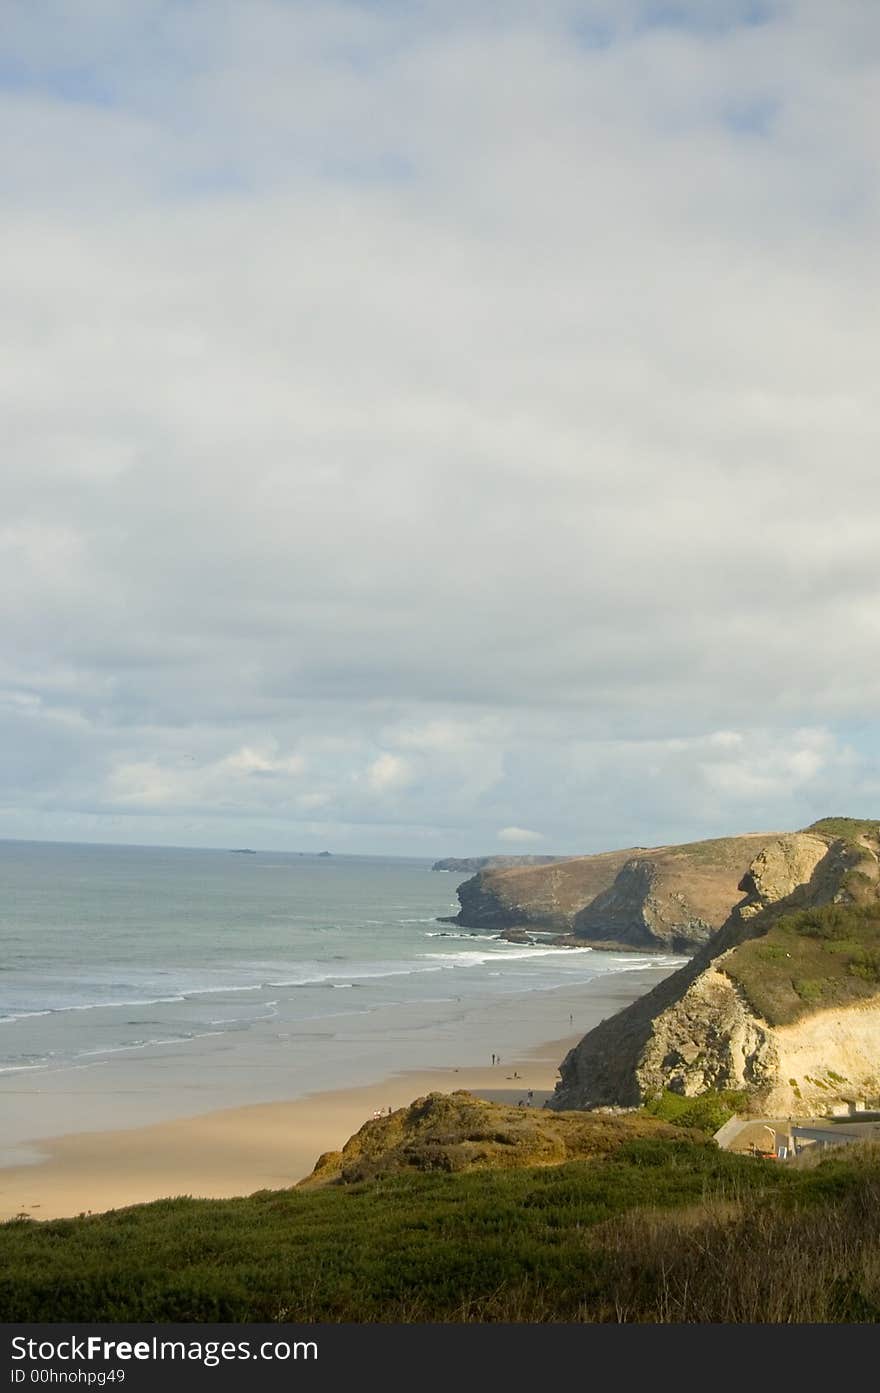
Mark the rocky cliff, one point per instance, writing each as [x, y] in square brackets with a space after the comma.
[538, 897]
[650, 899]
[672, 898]
[784, 1003]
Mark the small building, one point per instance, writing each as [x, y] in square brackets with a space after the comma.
[802, 1138]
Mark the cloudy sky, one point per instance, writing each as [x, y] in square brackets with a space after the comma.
[437, 428]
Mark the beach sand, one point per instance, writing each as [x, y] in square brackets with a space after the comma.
[262, 1146]
[266, 1146]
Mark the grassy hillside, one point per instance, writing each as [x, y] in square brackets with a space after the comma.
[661, 1231]
[810, 960]
[856, 831]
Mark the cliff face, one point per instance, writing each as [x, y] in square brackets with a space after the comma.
[539, 897]
[674, 898]
[657, 899]
[779, 869]
[784, 1003]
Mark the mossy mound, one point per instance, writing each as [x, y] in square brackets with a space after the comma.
[456, 1132]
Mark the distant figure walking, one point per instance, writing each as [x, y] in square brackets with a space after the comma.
[493, 1059]
[571, 1019]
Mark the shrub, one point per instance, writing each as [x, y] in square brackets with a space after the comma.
[705, 1113]
[865, 963]
[808, 990]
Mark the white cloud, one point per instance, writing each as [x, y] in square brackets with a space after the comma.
[251, 761]
[518, 836]
[763, 767]
[247, 778]
[389, 773]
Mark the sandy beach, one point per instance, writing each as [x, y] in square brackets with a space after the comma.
[236, 1150]
[239, 1150]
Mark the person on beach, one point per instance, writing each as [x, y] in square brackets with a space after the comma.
[493, 1059]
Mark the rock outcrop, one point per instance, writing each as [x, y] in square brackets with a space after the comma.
[779, 869]
[648, 899]
[781, 1004]
[460, 1132]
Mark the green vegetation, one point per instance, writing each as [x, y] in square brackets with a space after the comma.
[705, 1113]
[810, 960]
[848, 829]
[661, 1231]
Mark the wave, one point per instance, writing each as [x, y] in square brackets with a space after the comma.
[140, 1045]
[638, 964]
[347, 974]
[450, 933]
[474, 956]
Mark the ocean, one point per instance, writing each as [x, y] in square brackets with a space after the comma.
[141, 982]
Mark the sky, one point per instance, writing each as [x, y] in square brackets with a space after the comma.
[438, 428]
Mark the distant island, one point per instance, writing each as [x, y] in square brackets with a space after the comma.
[242, 851]
[469, 865]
